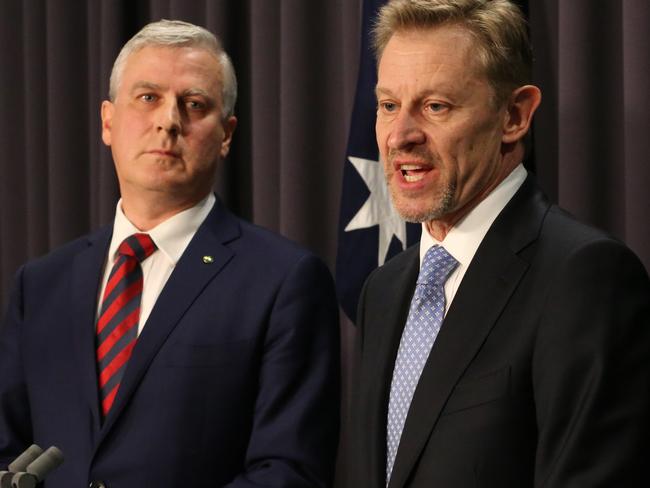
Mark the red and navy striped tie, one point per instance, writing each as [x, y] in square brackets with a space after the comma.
[117, 326]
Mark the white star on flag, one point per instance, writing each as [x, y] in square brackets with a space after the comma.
[378, 208]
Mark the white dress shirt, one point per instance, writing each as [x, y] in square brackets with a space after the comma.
[464, 238]
[171, 237]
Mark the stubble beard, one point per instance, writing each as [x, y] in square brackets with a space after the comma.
[440, 207]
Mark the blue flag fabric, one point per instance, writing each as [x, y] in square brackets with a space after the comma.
[370, 230]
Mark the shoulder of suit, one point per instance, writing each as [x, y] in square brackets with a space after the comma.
[256, 246]
[65, 252]
[569, 244]
[241, 235]
[268, 239]
[563, 229]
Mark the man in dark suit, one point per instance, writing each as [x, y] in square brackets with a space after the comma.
[201, 352]
[511, 347]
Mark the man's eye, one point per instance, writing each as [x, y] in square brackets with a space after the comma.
[436, 107]
[147, 97]
[388, 106]
[195, 105]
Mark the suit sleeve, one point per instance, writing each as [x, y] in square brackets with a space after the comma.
[355, 460]
[15, 425]
[591, 372]
[296, 423]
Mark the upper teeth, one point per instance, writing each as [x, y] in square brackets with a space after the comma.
[409, 167]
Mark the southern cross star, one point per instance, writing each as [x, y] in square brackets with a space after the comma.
[378, 208]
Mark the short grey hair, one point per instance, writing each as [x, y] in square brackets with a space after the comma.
[176, 33]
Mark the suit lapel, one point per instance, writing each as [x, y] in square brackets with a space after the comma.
[190, 276]
[485, 290]
[86, 275]
[391, 313]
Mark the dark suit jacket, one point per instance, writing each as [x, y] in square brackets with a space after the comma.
[540, 375]
[233, 381]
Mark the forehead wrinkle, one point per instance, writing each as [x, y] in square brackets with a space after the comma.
[423, 85]
[448, 76]
[425, 92]
[185, 64]
[451, 43]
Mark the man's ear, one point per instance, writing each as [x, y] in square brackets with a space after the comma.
[107, 111]
[519, 113]
[229, 126]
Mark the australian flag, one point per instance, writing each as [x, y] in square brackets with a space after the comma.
[370, 230]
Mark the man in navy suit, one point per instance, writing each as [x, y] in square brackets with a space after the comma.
[511, 347]
[215, 361]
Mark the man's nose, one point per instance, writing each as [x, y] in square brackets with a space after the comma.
[169, 118]
[405, 131]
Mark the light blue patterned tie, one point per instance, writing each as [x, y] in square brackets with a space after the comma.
[422, 326]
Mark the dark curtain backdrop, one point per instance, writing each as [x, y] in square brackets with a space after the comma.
[297, 63]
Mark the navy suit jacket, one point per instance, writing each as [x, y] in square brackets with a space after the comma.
[540, 375]
[234, 379]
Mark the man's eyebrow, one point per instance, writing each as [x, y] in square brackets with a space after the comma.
[382, 91]
[147, 85]
[440, 90]
[196, 92]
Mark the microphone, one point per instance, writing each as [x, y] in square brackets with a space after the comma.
[38, 469]
[19, 464]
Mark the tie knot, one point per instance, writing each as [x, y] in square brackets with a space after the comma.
[139, 246]
[436, 266]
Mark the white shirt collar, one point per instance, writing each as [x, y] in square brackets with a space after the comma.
[171, 236]
[464, 238]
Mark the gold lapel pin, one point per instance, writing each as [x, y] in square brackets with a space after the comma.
[208, 259]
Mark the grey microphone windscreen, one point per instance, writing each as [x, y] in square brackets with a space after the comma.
[24, 480]
[51, 459]
[19, 464]
[25, 459]
[5, 479]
